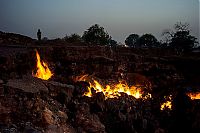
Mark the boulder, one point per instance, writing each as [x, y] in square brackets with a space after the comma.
[29, 84]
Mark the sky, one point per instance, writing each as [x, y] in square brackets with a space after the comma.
[120, 18]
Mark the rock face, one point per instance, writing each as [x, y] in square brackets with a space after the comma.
[28, 100]
[28, 104]
[27, 84]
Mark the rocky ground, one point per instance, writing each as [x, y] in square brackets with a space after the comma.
[31, 105]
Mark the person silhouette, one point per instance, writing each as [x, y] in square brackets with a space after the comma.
[39, 35]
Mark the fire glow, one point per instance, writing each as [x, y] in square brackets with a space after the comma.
[43, 71]
[194, 96]
[167, 104]
[113, 90]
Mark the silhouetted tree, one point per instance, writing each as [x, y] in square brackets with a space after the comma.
[167, 35]
[183, 41]
[132, 40]
[96, 34]
[112, 43]
[73, 38]
[163, 44]
[148, 40]
[179, 26]
[180, 38]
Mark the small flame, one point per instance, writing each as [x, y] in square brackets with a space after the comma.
[167, 104]
[194, 96]
[112, 90]
[81, 78]
[43, 72]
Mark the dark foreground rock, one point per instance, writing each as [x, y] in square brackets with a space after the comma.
[28, 104]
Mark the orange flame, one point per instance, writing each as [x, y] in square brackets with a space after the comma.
[194, 96]
[113, 90]
[43, 72]
[167, 104]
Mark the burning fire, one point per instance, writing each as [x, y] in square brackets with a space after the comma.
[167, 104]
[43, 72]
[113, 90]
[194, 96]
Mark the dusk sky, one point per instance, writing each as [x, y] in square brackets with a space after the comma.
[120, 18]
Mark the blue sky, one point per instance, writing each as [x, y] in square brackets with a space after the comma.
[120, 18]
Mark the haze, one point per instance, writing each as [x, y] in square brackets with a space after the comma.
[56, 18]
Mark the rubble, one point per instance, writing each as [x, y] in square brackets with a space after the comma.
[88, 122]
[29, 104]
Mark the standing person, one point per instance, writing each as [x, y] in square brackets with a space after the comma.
[39, 35]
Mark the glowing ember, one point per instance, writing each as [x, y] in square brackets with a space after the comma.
[43, 72]
[167, 104]
[113, 90]
[194, 96]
